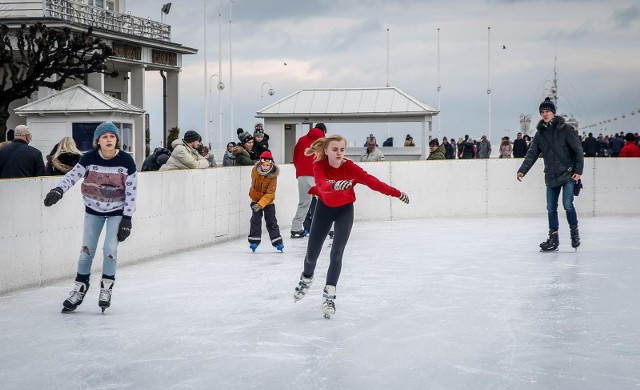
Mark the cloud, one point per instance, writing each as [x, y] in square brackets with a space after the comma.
[623, 18]
[579, 33]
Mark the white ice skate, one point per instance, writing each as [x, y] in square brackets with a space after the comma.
[328, 307]
[76, 296]
[106, 288]
[303, 286]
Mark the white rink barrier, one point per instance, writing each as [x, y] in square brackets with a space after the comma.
[181, 210]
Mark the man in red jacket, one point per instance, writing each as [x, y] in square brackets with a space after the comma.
[630, 148]
[304, 174]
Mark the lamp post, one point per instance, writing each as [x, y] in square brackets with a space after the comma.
[270, 91]
[219, 87]
[164, 11]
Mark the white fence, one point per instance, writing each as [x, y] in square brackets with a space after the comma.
[178, 210]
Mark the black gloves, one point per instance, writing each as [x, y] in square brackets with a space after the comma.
[124, 230]
[404, 197]
[342, 185]
[255, 207]
[53, 196]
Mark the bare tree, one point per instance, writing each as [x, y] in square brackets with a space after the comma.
[37, 56]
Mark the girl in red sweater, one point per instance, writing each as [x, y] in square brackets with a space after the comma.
[335, 176]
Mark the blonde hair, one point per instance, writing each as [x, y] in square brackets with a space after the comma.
[319, 145]
[66, 145]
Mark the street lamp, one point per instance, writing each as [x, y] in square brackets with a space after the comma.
[271, 91]
[220, 87]
[164, 11]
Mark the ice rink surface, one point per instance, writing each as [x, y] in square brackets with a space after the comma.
[433, 304]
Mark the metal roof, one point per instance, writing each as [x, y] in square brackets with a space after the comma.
[361, 103]
[78, 99]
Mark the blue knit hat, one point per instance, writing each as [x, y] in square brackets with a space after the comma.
[105, 127]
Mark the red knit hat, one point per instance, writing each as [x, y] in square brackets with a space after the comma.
[266, 155]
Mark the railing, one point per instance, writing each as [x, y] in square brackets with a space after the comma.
[107, 19]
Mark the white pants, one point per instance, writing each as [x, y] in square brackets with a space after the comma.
[304, 201]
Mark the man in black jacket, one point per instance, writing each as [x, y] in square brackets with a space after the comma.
[563, 158]
[18, 159]
[590, 146]
[519, 146]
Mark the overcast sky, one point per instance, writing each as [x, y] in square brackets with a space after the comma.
[343, 43]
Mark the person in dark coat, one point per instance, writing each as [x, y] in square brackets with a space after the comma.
[449, 153]
[563, 157]
[244, 152]
[64, 156]
[519, 146]
[8, 139]
[616, 143]
[18, 159]
[155, 160]
[590, 146]
[260, 140]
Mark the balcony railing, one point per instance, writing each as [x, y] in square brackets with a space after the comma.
[110, 20]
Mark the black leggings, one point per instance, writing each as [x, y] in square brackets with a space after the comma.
[342, 220]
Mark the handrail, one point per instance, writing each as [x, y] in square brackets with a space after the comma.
[110, 20]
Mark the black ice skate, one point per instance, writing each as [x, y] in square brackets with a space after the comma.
[75, 297]
[106, 288]
[303, 286]
[552, 242]
[328, 307]
[575, 236]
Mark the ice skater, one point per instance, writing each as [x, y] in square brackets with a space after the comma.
[264, 180]
[561, 150]
[109, 194]
[334, 176]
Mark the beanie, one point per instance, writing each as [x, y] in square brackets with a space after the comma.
[105, 127]
[547, 105]
[630, 137]
[244, 137]
[266, 155]
[191, 136]
[258, 131]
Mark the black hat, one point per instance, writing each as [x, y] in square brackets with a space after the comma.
[321, 126]
[547, 105]
[191, 136]
[630, 137]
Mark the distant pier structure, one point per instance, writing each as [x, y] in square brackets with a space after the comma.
[140, 45]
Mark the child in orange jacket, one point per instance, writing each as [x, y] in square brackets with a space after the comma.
[264, 180]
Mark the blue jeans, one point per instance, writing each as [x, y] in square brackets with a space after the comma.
[92, 228]
[553, 193]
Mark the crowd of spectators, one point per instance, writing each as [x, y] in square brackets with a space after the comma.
[19, 159]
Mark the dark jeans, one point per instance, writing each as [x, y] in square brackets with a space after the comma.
[307, 221]
[553, 193]
[255, 231]
[342, 219]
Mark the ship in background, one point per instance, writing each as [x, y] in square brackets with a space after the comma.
[553, 94]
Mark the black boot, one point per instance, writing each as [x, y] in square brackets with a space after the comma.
[552, 242]
[575, 236]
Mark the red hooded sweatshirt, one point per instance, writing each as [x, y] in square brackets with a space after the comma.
[304, 164]
[325, 175]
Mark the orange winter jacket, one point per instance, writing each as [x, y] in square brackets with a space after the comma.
[263, 187]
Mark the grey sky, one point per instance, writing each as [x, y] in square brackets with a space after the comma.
[344, 44]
